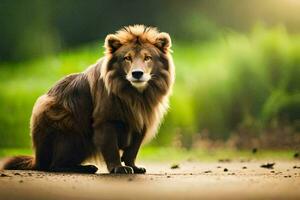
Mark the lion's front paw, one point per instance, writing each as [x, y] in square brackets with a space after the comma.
[90, 169]
[122, 170]
[139, 170]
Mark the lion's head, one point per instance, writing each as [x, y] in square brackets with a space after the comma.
[138, 60]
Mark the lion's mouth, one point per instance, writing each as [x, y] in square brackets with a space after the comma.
[138, 81]
[140, 85]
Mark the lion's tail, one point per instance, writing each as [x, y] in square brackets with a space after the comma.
[19, 163]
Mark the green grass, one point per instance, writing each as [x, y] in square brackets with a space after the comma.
[169, 154]
[5, 152]
[178, 155]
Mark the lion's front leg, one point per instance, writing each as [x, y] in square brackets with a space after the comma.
[106, 139]
[131, 152]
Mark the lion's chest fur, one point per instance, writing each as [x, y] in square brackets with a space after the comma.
[138, 115]
[141, 117]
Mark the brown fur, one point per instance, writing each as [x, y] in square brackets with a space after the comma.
[100, 111]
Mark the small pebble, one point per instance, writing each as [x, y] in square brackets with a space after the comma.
[175, 166]
[225, 170]
[226, 160]
[3, 175]
[268, 165]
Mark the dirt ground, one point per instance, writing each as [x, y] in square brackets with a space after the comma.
[191, 180]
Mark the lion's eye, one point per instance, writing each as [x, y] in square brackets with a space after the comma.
[127, 58]
[147, 58]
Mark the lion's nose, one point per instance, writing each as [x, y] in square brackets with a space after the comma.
[137, 74]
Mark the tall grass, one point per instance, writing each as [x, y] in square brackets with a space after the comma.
[235, 81]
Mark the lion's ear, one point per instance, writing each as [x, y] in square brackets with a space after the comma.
[163, 42]
[112, 43]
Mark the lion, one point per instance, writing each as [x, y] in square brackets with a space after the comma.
[110, 109]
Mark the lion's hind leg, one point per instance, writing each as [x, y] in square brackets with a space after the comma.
[69, 153]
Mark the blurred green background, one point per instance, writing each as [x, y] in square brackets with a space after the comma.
[237, 65]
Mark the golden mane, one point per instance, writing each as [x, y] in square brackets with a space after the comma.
[140, 34]
[143, 33]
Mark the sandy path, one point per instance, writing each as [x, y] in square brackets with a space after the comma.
[190, 181]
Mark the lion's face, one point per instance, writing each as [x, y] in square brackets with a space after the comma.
[138, 63]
